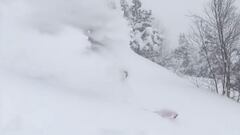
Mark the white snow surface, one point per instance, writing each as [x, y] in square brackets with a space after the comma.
[53, 83]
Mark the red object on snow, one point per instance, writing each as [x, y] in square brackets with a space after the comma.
[167, 114]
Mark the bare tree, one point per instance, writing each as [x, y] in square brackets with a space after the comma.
[200, 37]
[217, 33]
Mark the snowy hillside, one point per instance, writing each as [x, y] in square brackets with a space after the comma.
[66, 69]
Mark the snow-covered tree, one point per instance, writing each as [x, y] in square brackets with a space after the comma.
[183, 56]
[146, 40]
[184, 59]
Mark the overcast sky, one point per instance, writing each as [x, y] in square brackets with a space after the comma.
[173, 14]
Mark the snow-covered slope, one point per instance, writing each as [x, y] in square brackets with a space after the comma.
[54, 80]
